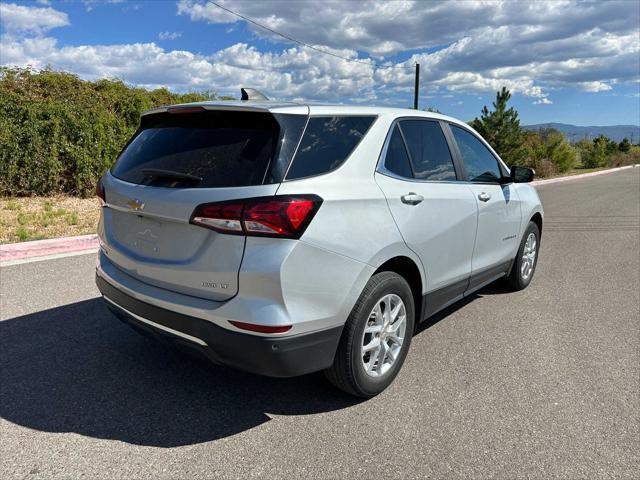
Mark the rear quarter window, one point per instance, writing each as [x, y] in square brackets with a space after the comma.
[326, 143]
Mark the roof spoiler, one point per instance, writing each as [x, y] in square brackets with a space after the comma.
[252, 94]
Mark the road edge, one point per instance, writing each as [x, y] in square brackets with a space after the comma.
[582, 175]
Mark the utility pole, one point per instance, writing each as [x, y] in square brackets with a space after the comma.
[416, 88]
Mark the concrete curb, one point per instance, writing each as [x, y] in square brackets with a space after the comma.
[42, 248]
[16, 252]
[582, 175]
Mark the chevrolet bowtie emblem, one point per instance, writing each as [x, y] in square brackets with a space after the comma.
[135, 204]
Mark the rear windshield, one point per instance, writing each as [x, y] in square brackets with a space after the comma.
[327, 142]
[209, 149]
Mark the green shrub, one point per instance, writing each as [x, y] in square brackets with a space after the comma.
[59, 134]
[549, 152]
[621, 159]
[596, 155]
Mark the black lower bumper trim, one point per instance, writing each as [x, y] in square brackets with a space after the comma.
[270, 356]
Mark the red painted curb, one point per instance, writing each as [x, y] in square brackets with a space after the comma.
[39, 248]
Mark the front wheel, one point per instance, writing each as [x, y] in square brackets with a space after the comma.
[526, 260]
[376, 337]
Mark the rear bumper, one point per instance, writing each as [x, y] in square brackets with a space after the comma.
[271, 356]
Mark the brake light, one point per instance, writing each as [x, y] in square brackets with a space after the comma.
[224, 217]
[260, 328]
[282, 216]
[100, 192]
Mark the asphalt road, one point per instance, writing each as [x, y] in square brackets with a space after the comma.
[541, 383]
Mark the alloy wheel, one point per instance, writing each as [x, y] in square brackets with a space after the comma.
[383, 335]
[528, 257]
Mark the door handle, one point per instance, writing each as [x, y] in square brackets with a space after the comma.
[484, 197]
[411, 198]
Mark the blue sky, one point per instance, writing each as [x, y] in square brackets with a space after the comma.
[565, 61]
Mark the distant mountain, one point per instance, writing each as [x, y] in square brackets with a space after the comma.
[575, 133]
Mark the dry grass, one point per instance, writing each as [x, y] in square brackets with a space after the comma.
[35, 218]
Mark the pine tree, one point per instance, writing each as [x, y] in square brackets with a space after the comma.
[624, 145]
[501, 128]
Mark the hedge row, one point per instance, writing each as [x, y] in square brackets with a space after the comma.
[59, 133]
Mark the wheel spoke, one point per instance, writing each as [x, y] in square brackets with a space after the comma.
[397, 324]
[373, 329]
[375, 343]
[378, 314]
[395, 339]
[384, 349]
[372, 361]
[387, 309]
[392, 355]
[396, 311]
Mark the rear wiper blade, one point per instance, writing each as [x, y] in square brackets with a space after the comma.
[160, 173]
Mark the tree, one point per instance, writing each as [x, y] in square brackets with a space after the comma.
[501, 128]
[59, 133]
[596, 156]
[624, 145]
[432, 109]
[559, 151]
[610, 146]
[548, 151]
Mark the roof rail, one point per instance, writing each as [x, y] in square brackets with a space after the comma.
[251, 94]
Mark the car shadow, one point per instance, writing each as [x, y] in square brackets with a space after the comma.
[495, 288]
[77, 369]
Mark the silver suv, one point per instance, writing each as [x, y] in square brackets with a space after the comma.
[283, 238]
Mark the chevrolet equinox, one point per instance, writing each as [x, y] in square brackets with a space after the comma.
[285, 238]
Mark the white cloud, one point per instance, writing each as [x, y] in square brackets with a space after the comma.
[594, 86]
[288, 74]
[527, 46]
[530, 49]
[90, 4]
[169, 35]
[383, 28]
[543, 101]
[20, 19]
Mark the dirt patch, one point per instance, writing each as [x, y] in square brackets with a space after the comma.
[36, 218]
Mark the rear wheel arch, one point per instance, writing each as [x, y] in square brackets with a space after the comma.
[407, 269]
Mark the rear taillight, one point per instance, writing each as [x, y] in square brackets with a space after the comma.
[100, 192]
[224, 217]
[280, 216]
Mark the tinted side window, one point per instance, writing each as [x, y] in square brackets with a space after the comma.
[326, 144]
[479, 162]
[429, 151]
[397, 159]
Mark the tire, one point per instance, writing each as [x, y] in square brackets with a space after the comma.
[517, 280]
[350, 372]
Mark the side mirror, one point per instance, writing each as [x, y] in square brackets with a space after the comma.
[522, 174]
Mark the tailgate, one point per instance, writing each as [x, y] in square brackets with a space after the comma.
[156, 243]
